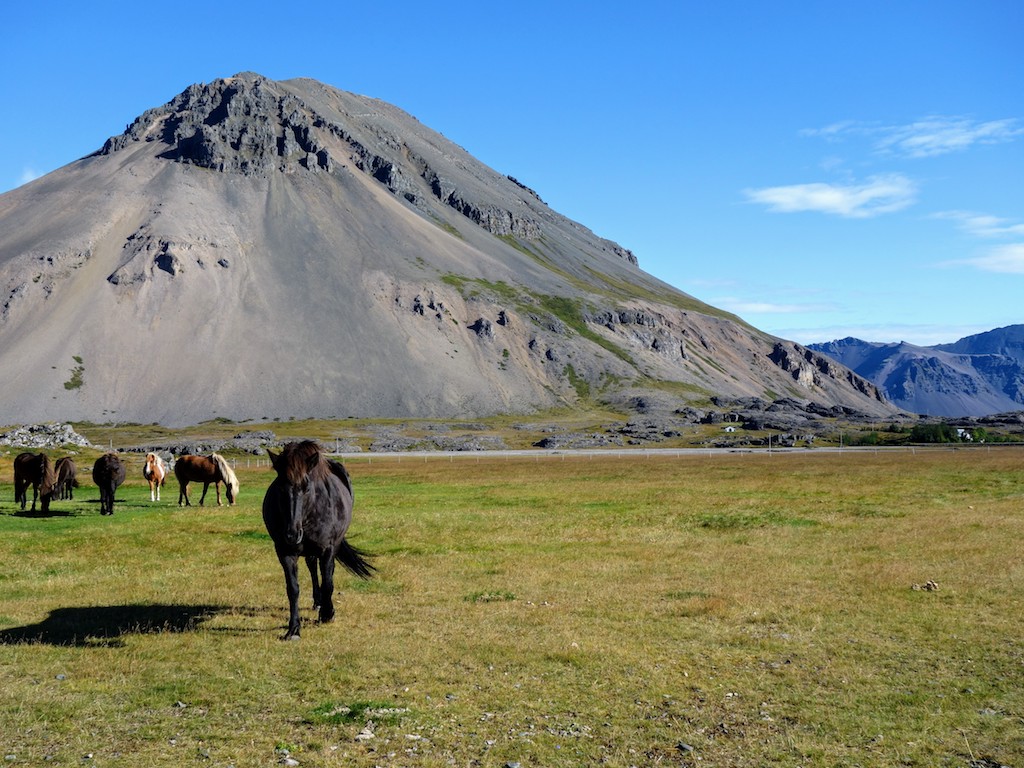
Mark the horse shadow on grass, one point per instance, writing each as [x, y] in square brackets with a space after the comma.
[107, 625]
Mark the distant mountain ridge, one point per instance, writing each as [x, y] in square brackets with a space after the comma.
[976, 376]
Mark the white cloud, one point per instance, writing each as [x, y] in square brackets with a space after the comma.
[878, 195]
[983, 225]
[835, 130]
[741, 307]
[747, 307]
[928, 137]
[1006, 259]
[941, 135]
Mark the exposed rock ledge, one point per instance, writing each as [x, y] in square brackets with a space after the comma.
[44, 436]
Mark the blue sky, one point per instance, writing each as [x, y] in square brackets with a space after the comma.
[822, 169]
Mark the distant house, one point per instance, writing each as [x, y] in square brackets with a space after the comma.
[965, 435]
[730, 429]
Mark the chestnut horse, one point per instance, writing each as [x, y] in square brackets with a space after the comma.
[155, 471]
[36, 470]
[108, 473]
[307, 510]
[205, 469]
[66, 481]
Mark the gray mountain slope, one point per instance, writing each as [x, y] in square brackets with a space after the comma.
[259, 249]
[976, 376]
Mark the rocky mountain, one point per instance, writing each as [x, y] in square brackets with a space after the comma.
[976, 376]
[259, 249]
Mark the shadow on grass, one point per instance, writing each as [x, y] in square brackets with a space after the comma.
[60, 508]
[106, 625]
[39, 513]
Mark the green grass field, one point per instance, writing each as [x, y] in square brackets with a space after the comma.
[706, 610]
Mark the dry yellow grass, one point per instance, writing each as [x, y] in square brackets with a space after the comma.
[716, 610]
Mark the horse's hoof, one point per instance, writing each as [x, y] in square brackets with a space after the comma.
[289, 638]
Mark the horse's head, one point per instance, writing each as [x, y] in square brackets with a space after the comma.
[229, 477]
[294, 466]
[47, 481]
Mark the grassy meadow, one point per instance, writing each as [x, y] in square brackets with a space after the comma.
[726, 609]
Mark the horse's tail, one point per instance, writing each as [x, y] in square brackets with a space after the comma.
[355, 560]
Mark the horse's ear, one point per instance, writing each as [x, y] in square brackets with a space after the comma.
[273, 458]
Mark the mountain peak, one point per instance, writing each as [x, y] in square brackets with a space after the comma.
[236, 125]
[270, 249]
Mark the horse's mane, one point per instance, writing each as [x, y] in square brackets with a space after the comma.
[47, 477]
[227, 473]
[304, 457]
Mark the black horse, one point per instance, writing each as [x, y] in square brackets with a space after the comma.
[36, 470]
[108, 473]
[307, 510]
[66, 482]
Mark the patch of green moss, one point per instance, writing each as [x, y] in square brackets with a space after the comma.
[578, 383]
[77, 374]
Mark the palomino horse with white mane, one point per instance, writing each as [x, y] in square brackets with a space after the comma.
[155, 471]
[205, 469]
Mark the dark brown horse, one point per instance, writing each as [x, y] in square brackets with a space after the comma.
[66, 481]
[108, 473]
[205, 469]
[307, 510]
[36, 470]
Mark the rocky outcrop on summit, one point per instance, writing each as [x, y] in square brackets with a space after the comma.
[245, 125]
[236, 126]
[258, 249]
[976, 376]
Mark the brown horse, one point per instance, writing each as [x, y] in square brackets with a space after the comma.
[205, 469]
[108, 473]
[307, 510]
[66, 470]
[36, 470]
[155, 471]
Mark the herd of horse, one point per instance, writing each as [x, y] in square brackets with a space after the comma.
[51, 480]
[307, 509]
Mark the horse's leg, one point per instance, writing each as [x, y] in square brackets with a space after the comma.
[290, 564]
[157, 484]
[183, 493]
[35, 490]
[311, 564]
[216, 487]
[327, 587]
[206, 487]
